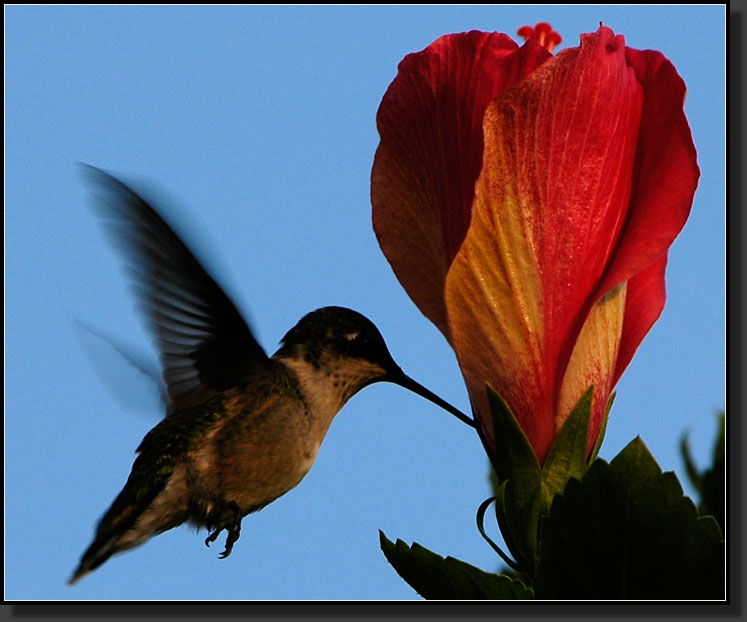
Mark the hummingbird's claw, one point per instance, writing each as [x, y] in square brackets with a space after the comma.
[224, 554]
[229, 519]
[233, 535]
[212, 537]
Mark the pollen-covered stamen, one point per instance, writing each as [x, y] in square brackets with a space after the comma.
[542, 33]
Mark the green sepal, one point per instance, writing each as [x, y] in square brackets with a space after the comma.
[521, 499]
[435, 577]
[514, 456]
[602, 430]
[522, 560]
[626, 531]
[529, 489]
[569, 452]
[480, 520]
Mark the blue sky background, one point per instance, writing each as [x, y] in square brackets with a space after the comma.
[257, 124]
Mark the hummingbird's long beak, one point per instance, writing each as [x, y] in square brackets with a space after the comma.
[402, 379]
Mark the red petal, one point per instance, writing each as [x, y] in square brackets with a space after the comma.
[594, 359]
[430, 123]
[553, 195]
[665, 174]
[643, 306]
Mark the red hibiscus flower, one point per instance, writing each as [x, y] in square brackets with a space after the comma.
[527, 203]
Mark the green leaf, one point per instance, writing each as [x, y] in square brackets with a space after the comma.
[714, 479]
[568, 454]
[695, 477]
[711, 483]
[438, 578]
[626, 531]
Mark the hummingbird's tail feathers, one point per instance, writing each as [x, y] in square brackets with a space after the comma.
[135, 516]
[117, 531]
[95, 555]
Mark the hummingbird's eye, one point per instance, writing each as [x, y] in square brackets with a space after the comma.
[359, 340]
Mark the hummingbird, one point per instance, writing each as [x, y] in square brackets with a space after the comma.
[241, 428]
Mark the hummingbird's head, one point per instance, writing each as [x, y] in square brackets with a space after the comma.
[340, 342]
[342, 349]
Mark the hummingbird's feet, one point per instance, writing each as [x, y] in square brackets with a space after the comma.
[233, 535]
[229, 518]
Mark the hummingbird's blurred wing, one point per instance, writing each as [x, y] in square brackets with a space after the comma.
[204, 342]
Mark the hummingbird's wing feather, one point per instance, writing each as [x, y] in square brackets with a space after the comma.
[203, 340]
[134, 378]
